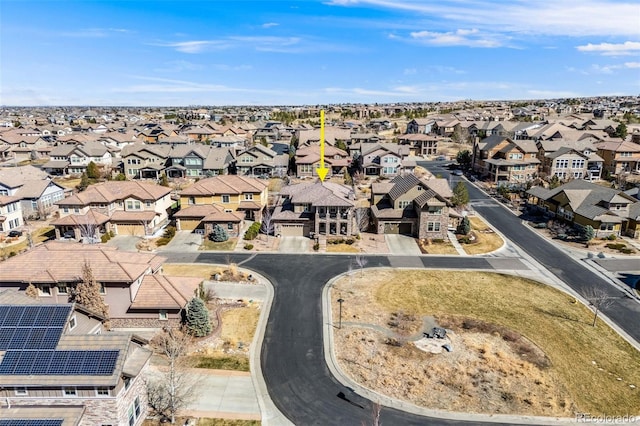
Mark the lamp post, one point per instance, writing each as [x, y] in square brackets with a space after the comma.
[340, 313]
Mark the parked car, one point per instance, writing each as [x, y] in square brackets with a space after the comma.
[15, 233]
[458, 172]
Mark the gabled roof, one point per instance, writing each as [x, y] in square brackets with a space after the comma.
[226, 184]
[165, 292]
[319, 194]
[108, 192]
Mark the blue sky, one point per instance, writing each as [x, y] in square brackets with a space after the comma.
[238, 52]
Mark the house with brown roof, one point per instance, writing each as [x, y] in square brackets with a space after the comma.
[381, 159]
[307, 160]
[411, 206]
[33, 187]
[74, 158]
[581, 203]
[244, 196]
[142, 161]
[421, 144]
[130, 282]
[314, 209]
[620, 156]
[259, 160]
[59, 366]
[124, 207]
[501, 160]
[569, 163]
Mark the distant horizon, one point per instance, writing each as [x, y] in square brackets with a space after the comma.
[371, 104]
[144, 53]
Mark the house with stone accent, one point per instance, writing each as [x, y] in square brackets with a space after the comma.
[33, 187]
[580, 203]
[243, 195]
[411, 206]
[124, 207]
[308, 160]
[201, 219]
[59, 365]
[501, 160]
[619, 156]
[381, 159]
[568, 163]
[259, 160]
[314, 209]
[131, 283]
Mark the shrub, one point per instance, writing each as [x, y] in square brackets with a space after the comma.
[253, 231]
[169, 232]
[464, 240]
[350, 241]
[316, 247]
[248, 246]
[219, 234]
[615, 246]
[612, 237]
[464, 227]
[627, 250]
[112, 234]
[105, 238]
[162, 241]
[437, 241]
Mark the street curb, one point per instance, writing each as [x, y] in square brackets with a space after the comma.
[383, 400]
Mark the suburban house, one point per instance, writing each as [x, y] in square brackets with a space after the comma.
[230, 193]
[420, 125]
[620, 156]
[381, 159]
[196, 161]
[421, 144]
[130, 283]
[568, 163]
[261, 161]
[59, 367]
[314, 209]
[308, 160]
[144, 161]
[124, 207]
[72, 159]
[411, 206]
[10, 213]
[581, 203]
[36, 192]
[502, 160]
[201, 219]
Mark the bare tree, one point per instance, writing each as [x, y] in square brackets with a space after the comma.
[362, 218]
[361, 261]
[87, 294]
[87, 230]
[267, 227]
[598, 300]
[172, 389]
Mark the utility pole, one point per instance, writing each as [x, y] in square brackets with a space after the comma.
[340, 313]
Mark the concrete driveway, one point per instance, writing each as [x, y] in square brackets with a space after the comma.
[294, 245]
[183, 241]
[402, 245]
[124, 242]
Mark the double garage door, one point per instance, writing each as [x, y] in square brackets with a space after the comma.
[292, 230]
[397, 228]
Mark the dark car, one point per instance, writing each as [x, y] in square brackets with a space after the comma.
[15, 233]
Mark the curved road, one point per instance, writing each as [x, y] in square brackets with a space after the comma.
[292, 358]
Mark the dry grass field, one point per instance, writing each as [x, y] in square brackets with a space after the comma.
[518, 346]
[342, 248]
[239, 324]
[487, 240]
[430, 247]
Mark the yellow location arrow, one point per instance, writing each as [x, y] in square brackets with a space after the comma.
[322, 170]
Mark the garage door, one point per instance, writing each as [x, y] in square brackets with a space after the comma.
[134, 230]
[391, 228]
[189, 224]
[292, 230]
[405, 229]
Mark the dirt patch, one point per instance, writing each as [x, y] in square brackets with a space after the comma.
[431, 246]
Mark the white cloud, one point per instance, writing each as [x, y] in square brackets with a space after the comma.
[270, 24]
[612, 49]
[632, 64]
[461, 37]
[95, 32]
[410, 71]
[609, 69]
[567, 17]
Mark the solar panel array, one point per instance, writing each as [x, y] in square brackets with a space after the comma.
[59, 363]
[31, 422]
[31, 327]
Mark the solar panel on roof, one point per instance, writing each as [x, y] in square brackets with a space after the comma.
[3, 313]
[31, 422]
[13, 316]
[47, 362]
[19, 338]
[60, 315]
[29, 316]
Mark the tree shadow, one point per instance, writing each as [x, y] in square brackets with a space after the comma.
[560, 314]
[632, 280]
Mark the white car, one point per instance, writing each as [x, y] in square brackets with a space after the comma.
[458, 172]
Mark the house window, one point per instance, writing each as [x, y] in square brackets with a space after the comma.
[63, 288]
[148, 203]
[606, 227]
[134, 205]
[163, 315]
[403, 204]
[192, 200]
[127, 382]
[246, 159]
[515, 156]
[388, 170]
[625, 154]
[193, 161]
[45, 290]
[21, 392]
[562, 164]
[102, 391]
[248, 196]
[70, 392]
[76, 210]
[577, 164]
[103, 289]
[433, 226]
[225, 199]
[230, 226]
[72, 323]
[435, 210]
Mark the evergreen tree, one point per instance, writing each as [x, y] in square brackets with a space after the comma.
[621, 131]
[164, 180]
[219, 234]
[464, 159]
[588, 233]
[198, 323]
[93, 172]
[460, 195]
[87, 294]
[84, 182]
[464, 227]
